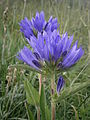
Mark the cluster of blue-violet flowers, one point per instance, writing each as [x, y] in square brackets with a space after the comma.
[48, 47]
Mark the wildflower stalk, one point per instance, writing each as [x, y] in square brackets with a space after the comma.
[5, 16]
[40, 83]
[52, 94]
[48, 39]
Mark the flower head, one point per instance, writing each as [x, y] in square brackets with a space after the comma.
[49, 49]
[53, 49]
[37, 24]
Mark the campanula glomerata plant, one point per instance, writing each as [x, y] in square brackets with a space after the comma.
[49, 51]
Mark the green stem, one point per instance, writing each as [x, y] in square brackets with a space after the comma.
[38, 113]
[40, 84]
[52, 94]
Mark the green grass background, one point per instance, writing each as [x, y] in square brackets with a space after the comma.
[74, 17]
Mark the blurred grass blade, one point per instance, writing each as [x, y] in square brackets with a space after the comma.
[21, 66]
[31, 94]
[42, 103]
[67, 92]
[30, 115]
[76, 113]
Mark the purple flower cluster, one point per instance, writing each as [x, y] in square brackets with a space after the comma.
[48, 46]
[37, 24]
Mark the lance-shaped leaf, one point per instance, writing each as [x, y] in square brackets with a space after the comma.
[67, 92]
[31, 94]
[45, 112]
[48, 113]
[42, 103]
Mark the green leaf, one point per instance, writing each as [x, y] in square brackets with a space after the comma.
[31, 94]
[30, 115]
[42, 103]
[48, 113]
[45, 112]
[67, 92]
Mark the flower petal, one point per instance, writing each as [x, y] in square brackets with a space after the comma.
[26, 56]
[26, 27]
